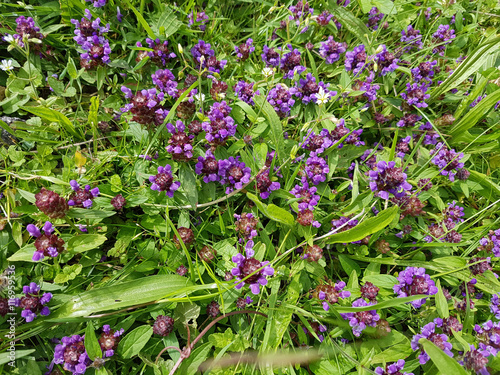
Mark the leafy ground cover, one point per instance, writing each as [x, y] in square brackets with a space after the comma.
[245, 187]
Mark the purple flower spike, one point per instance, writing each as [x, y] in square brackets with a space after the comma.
[221, 125]
[494, 307]
[243, 51]
[165, 81]
[386, 61]
[26, 29]
[429, 332]
[356, 60]
[160, 55]
[387, 178]
[309, 198]
[448, 161]
[476, 360]
[82, 197]
[270, 57]
[412, 37]
[331, 50]
[414, 281]
[145, 105]
[244, 91]
[415, 95]
[208, 166]
[290, 63]
[248, 265]
[72, 355]
[316, 169]
[425, 71]
[306, 87]
[264, 185]
[164, 181]
[233, 172]
[180, 144]
[374, 17]
[281, 99]
[444, 35]
[360, 320]
[317, 143]
[32, 303]
[393, 369]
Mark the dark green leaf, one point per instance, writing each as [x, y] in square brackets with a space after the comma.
[91, 343]
[85, 242]
[134, 341]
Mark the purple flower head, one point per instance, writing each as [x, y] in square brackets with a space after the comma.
[145, 105]
[442, 36]
[82, 197]
[331, 50]
[290, 63]
[415, 95]
[440, 340]
[393, 369]
[374, 17]
[370, 90]
[425, 71]
[431, 137]
[494, 306]
[244, 91]
[409, 120]
[360, 320]
[324, 18]
[414, 281]
[476, 360]
[387, 178]
[412, 37]
[402, 148]
[179, 144]
[208, 166]
[454, 212]
[221, 125]
[271, 57]
[164, 181]
[356, 60]
[316, 169]
[32, 303]
[317, 143]
[330, 294]
[201, 19]
[243, 51]
[306, 87]
[90, 37]
[386, 61]
[119, 15]
[448, 161]
[300, 11]
[25, 30]
[160, 54]
[72, 355]
[264, 184]
[234, 173]
[165, 82]
[308, 197]
[342, 131]
[97, 3]
[253, 271]
[488, 335]
[491, 243]
[205, 57]
[246, 226]
[281, 99]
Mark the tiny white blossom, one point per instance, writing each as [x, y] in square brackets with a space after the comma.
[322, 97]
[200, 97]
[267, 72]
[6, 65]
[8, 38]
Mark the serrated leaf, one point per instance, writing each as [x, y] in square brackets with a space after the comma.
[91, 343]
[134, 341]
[68, 273]
[85, 242]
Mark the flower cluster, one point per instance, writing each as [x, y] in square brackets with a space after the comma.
[387, 178]
[386, 61]
[415, 94]
[443, 36]
[164, 181]
[47, 244]
[145, 105]
[393, 369]
[204, 57]
[160, 55]
[280, 97]
[253, 271]
[360, 320]
[165, 82]
[82, 197]
[244, 50]
[180, 144]
[234, 173]
[306, 88]
[374, 17]
[246, 226]
[429, 332]
[491, 243]
[201, 19]
[330, 294]
[414, 281]
[356, 60]
[245, 92]
[412, 38]
[448, 161]
[221, 125]
[425, 71]
[331, 50]
[265, 185]
[26, 30]
[32, 303]
[51, 204]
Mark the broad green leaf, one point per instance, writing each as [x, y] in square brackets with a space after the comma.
[349, 265]
[167, 22]
[5, 357]
[198, 355]
[68, 273]
[188, 184]
[141, 19]
[53, 116]
[441, 303]
[83, 213]
[444, 363]
[353, 24]
[24, 254]
[85, 242]
[393, 354]
[365, 228]
[272, 211]
[134, 341]
[275, 125]
[91, 343]
[382, 281]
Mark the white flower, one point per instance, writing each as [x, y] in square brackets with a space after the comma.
[267, 72]
[322, 97]
[200, 97]
[6, 65]
[8, 38]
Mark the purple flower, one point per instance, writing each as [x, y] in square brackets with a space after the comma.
[345, 223]
[414, 281]
[331, 50]
[244, 91]
[290, 63]
[488, 335]
[72, 355]
[442, 36]
[408, 120]
[307, 195]
[300, 11]
[243, 51]
[82, 197]
[431, 137]
[387, 178]
[416, 95]
[264, 185]
[119, 15]
[32, 303]
[179, 144]
[160, 55]
[356, 60]
[246, 226]
[25, 30]
[440, 340]
[374, 17]
[412, 37]
[425, 71]
[330, 294]
[491, 243]
[316, 169]
[221, 125]
[253, 271]
[205, 57]
[208, 166]
[164, 181]
[393, 369]
[233, 172]
[270, 57]
[370, 91]
[145, 105]
[360, 320]
[306, 87]
[317, 143]
[324, 19]
[448, 161]
[281, 99]
[476, 360]
[386, 61]
[342, 131]
[97, 3]
[201, 19]
[495, 302]
[402, 148]
[454, 212]
[46, 244]
[478, 99]
[165, 81]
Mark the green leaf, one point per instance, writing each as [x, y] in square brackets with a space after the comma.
[272, 211]
[260, 154]
[188, 184]
[220, 340]
[141, 19]
[349, 265]
[441, 303]
[134, 341]
[275, 123]
[121, 295]
[167, 22]
[83, 213]
[353, 24]
[381, 305]
[5, 357]
[190, 366]
[366, 227]
[53, 116]
[71, 67]
[68, 273]
[24, 254]
[91, 343]
[85, 242]
[443, 362]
